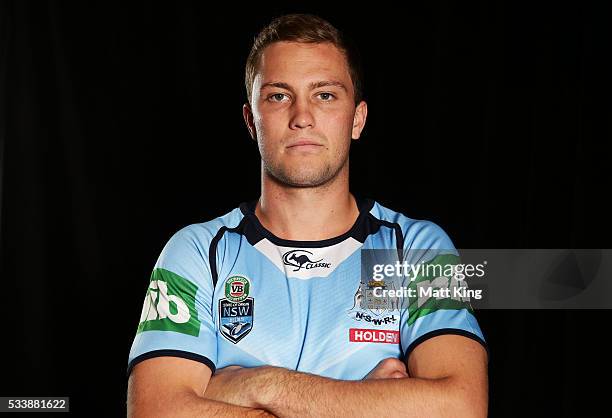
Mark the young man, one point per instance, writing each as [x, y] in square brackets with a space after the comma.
[263, 310]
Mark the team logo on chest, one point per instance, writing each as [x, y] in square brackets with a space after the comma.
[372, 309]
[236, 309]
[302, 259]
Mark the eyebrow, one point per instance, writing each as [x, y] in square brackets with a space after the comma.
[313, 85]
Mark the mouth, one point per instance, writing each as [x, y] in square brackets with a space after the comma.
[304, 144]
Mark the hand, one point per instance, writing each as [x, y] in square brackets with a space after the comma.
[389, 368]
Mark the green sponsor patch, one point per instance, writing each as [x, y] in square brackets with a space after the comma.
[170, 304]
[435, 286]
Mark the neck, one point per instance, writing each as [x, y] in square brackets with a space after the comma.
[307, 213]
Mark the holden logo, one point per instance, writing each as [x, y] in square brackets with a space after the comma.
[302, 259]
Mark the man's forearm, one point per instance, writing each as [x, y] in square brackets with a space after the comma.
[288, 393]
[301, 394]
[196, 406]
[189, 404]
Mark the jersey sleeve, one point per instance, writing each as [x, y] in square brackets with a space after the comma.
[176, 318]
[432, 311]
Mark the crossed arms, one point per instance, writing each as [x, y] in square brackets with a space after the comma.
[443, 376]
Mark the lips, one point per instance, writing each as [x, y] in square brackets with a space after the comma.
[304, 142]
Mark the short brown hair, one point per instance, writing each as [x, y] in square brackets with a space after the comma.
[305, 28]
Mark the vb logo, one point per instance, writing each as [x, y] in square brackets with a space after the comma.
[237, 288]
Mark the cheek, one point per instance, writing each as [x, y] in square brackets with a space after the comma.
[337, 126]
[269, 123]
[270, 131]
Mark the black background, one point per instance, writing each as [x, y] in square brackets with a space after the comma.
[122, 123]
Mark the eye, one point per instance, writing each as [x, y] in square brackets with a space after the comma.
[326, 97]
[277, 97]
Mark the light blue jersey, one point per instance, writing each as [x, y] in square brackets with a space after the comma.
[229, 292]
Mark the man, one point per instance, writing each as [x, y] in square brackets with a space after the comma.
[263, 311]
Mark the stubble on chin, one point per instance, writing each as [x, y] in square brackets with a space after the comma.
[306, 175]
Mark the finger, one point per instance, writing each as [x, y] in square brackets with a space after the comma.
[372, 376]
[227, 369]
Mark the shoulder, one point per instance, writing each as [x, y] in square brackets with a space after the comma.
[190, 245]
[416, 233]
[205, 232]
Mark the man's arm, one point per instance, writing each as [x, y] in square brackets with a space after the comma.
[448, 377]
[174, 387]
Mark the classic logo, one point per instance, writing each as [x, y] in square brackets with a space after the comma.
[237, 288]
[169, 305]
[300, 259]
[360, 335]
[236, 309]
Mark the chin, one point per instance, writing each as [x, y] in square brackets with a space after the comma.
[308, 179]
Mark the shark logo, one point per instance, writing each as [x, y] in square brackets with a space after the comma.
[300, 259]
[236, 329]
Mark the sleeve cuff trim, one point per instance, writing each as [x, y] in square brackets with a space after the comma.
[444, 331]
[171, 353]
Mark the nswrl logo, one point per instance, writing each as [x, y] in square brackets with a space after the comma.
[170, 305]
[236, 310]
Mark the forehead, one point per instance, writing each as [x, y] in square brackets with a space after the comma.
[298, 60]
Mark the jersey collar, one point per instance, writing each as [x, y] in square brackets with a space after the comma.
[255, 231]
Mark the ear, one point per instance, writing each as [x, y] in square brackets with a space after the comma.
[359, 120]
[247, 114]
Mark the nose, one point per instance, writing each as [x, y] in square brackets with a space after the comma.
[301, 116]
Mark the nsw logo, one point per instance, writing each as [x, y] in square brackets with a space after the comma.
[302, 259]
[236, 319]
[236, 309]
